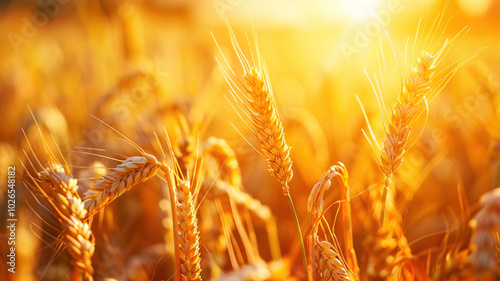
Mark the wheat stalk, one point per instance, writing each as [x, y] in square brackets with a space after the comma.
[384, 247]
[404, 113]
[316, 204]
[171, 181]
[341, 170]
[129, 173]
[256, 100]
[428, 76]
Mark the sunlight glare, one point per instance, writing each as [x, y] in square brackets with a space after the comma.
[360, 9]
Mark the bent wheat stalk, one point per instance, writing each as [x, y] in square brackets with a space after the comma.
[326, 261]
[132, 171]
[343, 177]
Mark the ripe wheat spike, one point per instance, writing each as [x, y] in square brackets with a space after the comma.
[131, 172]
[254, 97]
[189, 236]
[329, 263]
[429, 72]
[69, 209]
[60, 193]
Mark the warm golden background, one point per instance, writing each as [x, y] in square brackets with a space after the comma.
[138, 65]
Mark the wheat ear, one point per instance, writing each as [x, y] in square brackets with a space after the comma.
[131, 172]
[254, 96]
[404, 113]
[259, 105]
[71, 213]
[189, 236]
[485, 226]
[432, 70]
[269, 129]
[329, 263]
[421, 86]
[315, 208]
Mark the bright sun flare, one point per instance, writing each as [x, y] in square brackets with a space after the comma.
[360, 9]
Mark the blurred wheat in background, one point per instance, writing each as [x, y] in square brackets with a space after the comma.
[154, 140]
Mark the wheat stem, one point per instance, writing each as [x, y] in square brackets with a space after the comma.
[173, 199]
[299, 231]
[384, 201]
[272, 233]
[311, 269]
[347, 223]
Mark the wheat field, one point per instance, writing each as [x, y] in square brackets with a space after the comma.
[250, 140]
